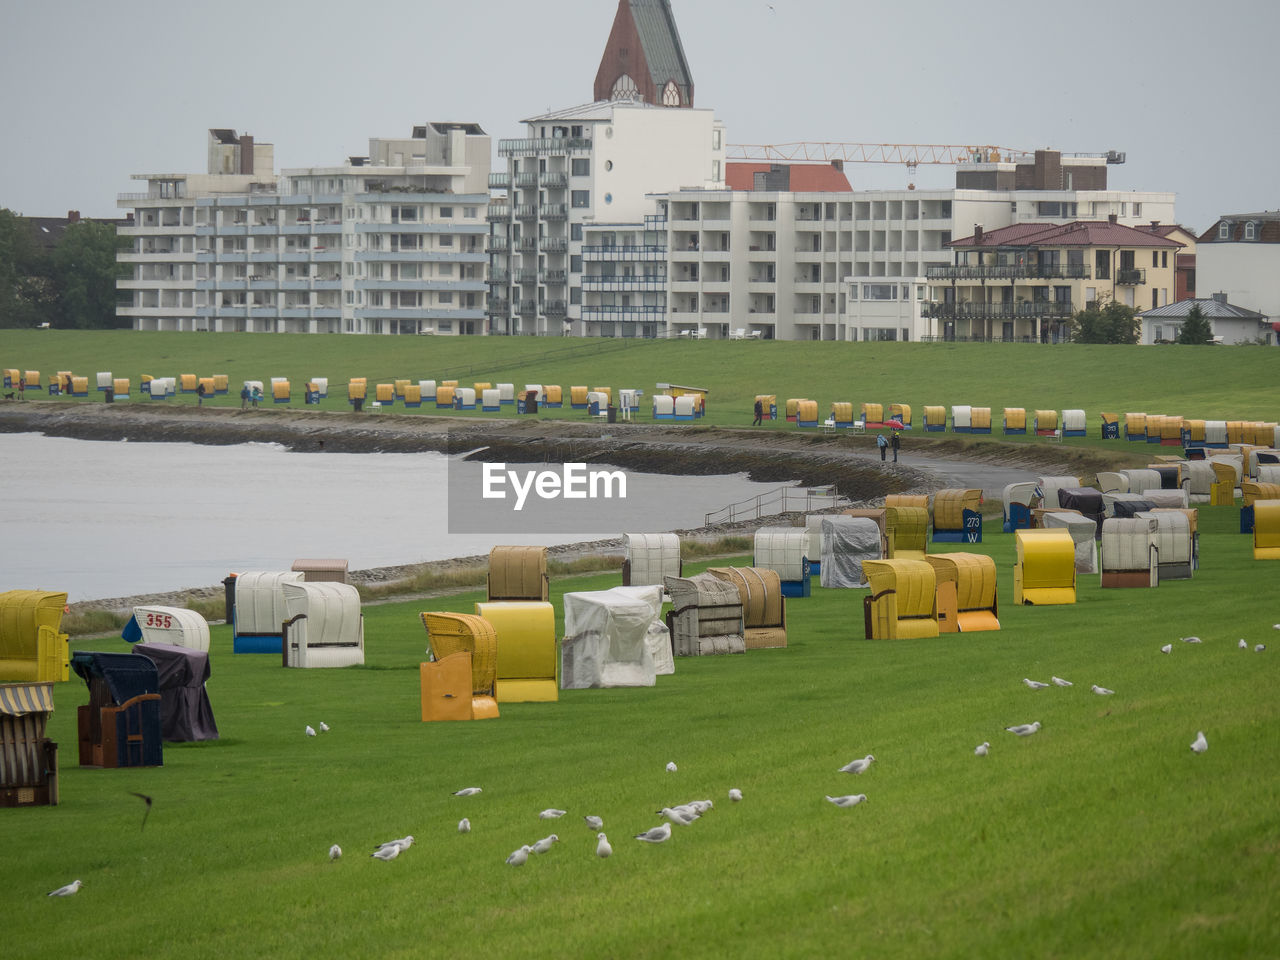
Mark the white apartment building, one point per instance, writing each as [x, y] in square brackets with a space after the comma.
[388, 243]
[1239, 255]
[586, 164]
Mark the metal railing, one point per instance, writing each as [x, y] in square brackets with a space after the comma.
[1130, 276]
[1051, 309]
[527, 147]
[780, 500]
[1011, 271]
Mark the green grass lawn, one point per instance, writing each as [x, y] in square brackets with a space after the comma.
[1204, 383]
[1101, 836]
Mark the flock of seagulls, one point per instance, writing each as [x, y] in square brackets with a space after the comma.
[311, 731]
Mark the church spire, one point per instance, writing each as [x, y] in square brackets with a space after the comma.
[644, 59]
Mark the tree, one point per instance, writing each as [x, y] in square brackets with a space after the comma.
[85, 273]
[1196, 328]
[25, 293]
[1106, 322]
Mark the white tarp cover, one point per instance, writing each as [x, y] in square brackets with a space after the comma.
[1049, 487]
[1143, 479]
[175, 626]
[813, 523]
[1127, 544]
[331, 634]
[607, 640]
[1073, 420]
[1083, 530]
[961, 416]
[260, 607]
[1167, 498]
[783, 549]
[1173, 537]
[1267, 473]
[652, 557]
[846, 543]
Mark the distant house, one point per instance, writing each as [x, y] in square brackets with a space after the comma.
[1240, 255]
[1230, 324]
[1184, 281]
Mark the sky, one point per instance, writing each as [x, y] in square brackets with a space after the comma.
[95, 92]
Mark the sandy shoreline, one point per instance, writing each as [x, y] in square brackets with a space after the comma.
[775, 454]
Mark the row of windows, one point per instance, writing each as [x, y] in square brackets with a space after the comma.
[1250, 230]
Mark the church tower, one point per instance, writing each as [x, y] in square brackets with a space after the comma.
[644, 59]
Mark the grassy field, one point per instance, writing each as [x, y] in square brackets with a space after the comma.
[1101, 836]
[1206, 383]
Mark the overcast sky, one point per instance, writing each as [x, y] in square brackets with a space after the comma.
[94, 91]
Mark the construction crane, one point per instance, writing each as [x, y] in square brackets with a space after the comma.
[910, 154]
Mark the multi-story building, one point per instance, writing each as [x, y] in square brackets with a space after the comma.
[392, 242]
[1239, 255]
[1025, 281]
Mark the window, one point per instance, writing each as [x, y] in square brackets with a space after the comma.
[469, 213]
[1224, 230]
[446, 296]
[575, 231]
[1164, 258]
[1137, 209]
[444, 326]
[444, 269]
[715, 170]
[575, 263]
[580, 198]
[1251, 231]
[878, 291]
[408, 271]
[580, 166]
[1155, 258]
[446, 240]
[575, 295]
[446, 213]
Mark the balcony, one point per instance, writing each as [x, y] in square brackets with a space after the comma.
[616, 312]
[543, 146]
[1047, 310]
[499, 307]
[527, 306]
[526, 211]
[499, 276]
[1131, 276]
[497, 244]
[1012, 271]
[555, 211]
[555, 308]
[498, 211]
[552, 276]
[499, 181]
[554, 181]
[620, 254]
[525, 180]
[526, 276]
[653, 284]
[554, 244]
[528, 245]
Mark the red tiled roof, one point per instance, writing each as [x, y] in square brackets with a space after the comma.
[805, 177]
[1078, 233]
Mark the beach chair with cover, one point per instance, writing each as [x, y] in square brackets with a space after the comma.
[784, 550]
[32, 647]
[903, 602]
[1084, 534]
[120, 725]
[1047, 489]
[957, 516]
[260, 610]
[650, 558]
[458, 682]
[1086, 501]
[518, 573]
[185, 712]
[325, 626]
[28, 758]
[764, 608]
[847, 543]
[1266, 530]
[175, 626]
[1173, 544]
[876, 515]
[1130, 553]
[907, 529]
[966, 588]
[1045, 570]
[610, 638]
[526, 632]
[1018, 498]
[706, 616]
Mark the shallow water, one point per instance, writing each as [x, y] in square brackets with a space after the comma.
[110, 519]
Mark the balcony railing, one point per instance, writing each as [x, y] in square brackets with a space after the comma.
[555, 308]
[526, 211]
[1051, 309]
[497, 244]
[1012, 271]
[499, 276]
[554, 244]
[502, 307]
[616, 312]
[554, 211]
[532, 147]
[526, 180]
[528, 306]
[552, 276]
[624, 283]
[653, 251]
[554, 181]
[499, 181]
[1131, 276]
[526, 276]
[498, 211]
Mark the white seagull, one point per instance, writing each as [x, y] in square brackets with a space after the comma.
[387, 853]
[701, 806]
[66, 891]
[1034, 684]
[518, 857]
[335, 852]
[1200, 744]
[1190, 639]
[1243, 644]
[311, 731]
[543, 845]
[603, 849]
[671, 767]
[857, 766]
[1024, 729]
[852, 800]
[467, 792]
[735, 794]
[676, 815]
[982, 748]
[656, 834]
[464, 825]
[1167, 648]
[1259, 648]
[324, 727]
[1062, 683]
[551, 814]
[1101, 691]
[595, 823]
[404, 843]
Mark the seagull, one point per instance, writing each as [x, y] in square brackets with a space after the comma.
[464, 825]
[1243, 644]
[66, 891]
[1275, 626]
[543, 845]
[1259, 648]
[982, 748]
[1024, 729]
[1062, 683]
[1200, 744]
[1101, 691]
[467, 792]
[551, 814]
[700, 806]
[852, 800]
[1190, 639]
[602, 848]
[857, 766]
[735, 794]
[595, 823]
[1167, 648]
[387, 853]
[147, 812]
[324, 727]
[404, 843]
[655, 834]
[671, 767]
[1034, 684]
[335, 852]
[311, 731]
[676, 815]
[518, 857]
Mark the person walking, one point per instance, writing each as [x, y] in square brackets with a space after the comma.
[244, 397]
[897, 442]
[759, 410]
[883, 444]
[200, 395]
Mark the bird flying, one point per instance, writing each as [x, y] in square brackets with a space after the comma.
[146, 813]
